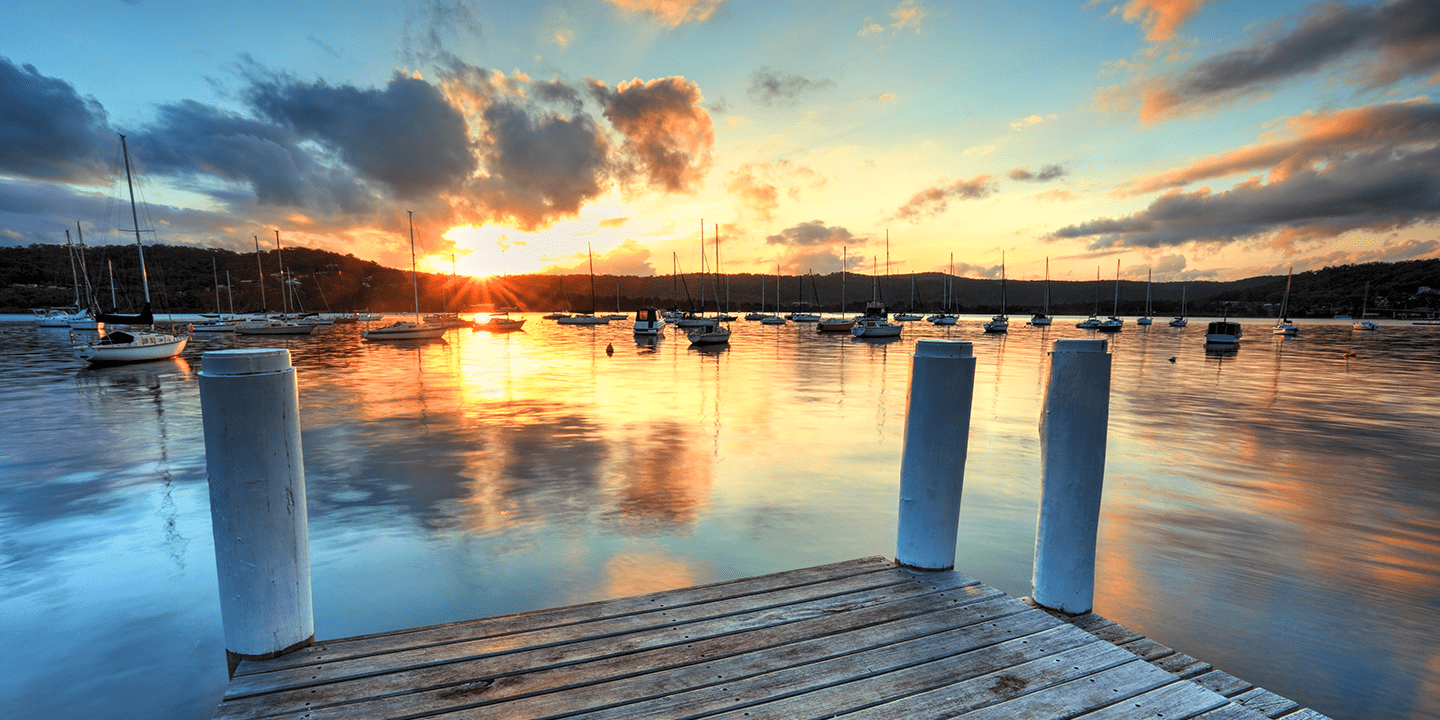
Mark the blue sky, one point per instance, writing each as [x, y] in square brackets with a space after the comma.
[1196, 139]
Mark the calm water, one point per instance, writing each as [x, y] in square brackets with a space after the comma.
[1275, 511]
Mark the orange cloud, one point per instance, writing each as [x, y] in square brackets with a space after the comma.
[935, 200]
[1311, 138]
[671, 13]
[668, 134]
[1160, 18]
[758, 184]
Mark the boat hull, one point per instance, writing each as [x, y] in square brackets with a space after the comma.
[274, 328]
[718, 336]
[144, 348]
[583, 320]
[834, 325]
[875, 330]
[404, 331]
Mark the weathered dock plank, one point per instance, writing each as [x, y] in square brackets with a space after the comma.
[862, 638]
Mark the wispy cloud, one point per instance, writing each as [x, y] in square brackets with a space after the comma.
[1160, 18]
[1047, 173]
[1379, 44]
[935, 200]
[908, 16]
[758, 185]
[670, 13]
[771, 87]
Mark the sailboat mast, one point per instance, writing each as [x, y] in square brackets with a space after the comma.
[135, 217]
[844, 260]
[284, 286]
[591, 255]
[74, 278]
[1115, 310]
[215, 278]
[229, 293]
[1002, 283]
[1047, 286]
[414, 281]
[85, 271]
[264, 306]
[110, 266]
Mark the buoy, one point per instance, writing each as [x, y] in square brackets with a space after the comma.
[1172, 358]
[1349, 354]
[610, 349]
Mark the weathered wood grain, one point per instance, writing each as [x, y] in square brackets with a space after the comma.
[333, 650]
[861, 638]
[1176, 701]
[589, 661]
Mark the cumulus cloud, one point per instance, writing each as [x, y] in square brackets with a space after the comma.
[1047, 173]
[936, 200]
[47, 130]
[406, 135]
[667, 133]
[1384, 43]
[670, 13]
[1160, 18]
[1377, 190]
[770, 87]
[813, 233]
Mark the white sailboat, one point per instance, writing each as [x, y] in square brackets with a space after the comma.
[407, 330]
[1093, 322]
[1180, 320]
[873, 324]
[1000, 323]
[136, 345]
[589, 318]
[1146, 319]
[945, 317]
[1362, 323]
[1285, 327]
[839, 324]
[1042, 319]
[1113, 323]
[774, 318]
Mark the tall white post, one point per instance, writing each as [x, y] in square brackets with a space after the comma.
[1072, 467]
[249, 401]
[932, 464]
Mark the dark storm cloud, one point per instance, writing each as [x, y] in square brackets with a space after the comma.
[1047, 172]
[668, 134]
[1389, 42]
[813, 233]
[538, 167]
[1377, 190]
[47, 130]
[406, 135]
[935, 200]
[770, 87]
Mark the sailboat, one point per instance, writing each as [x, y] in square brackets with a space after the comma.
[1180, 320]
[761, 314]
[1093, 322]
[85, 318]
[589, 318]
[281, 324]
[220, 323]
[128, 346]
[839, 324]
[1146, 319]
[775, 318]
[1000, 323]
[404, 330]
[617, 315]
[873, 324]
[1362, 323]
[1113, 323]
[1285, 327]
[1042, 319]
[944, 317]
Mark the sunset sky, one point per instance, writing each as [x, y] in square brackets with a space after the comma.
[1200, 139]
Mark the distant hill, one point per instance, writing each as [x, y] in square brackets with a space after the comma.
[181, 281]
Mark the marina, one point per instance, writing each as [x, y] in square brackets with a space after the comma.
[493, 474]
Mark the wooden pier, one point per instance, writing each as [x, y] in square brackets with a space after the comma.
[859, 639]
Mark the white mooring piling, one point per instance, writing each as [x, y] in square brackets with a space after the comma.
[249, 401]
[932, 464]
[1072, 467]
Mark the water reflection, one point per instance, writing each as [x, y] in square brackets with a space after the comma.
[1285, 493]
